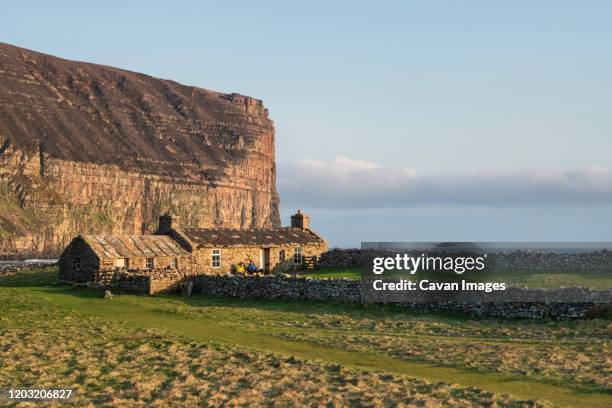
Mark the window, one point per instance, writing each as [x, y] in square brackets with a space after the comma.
[297, 256]
[216, 258]
[123, 263]
[150, 263]
[76, 264]
[281, 255]
[173, 263]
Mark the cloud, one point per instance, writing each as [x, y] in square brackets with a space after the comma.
[350, 183]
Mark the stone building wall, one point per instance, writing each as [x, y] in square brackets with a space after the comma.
[159, 262]
[231, 256]
[89, 262]
[92, 269]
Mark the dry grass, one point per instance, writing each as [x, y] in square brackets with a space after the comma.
[118, 367]
[561, 352]
[51, 336]
[585, 362]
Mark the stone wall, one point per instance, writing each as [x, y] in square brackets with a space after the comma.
[340, 258]
[231, 256]
[89, 263]
[515, 260]
[11, 268]
[152, 282]
[349, 291]
[548, 261]
[279, 287]
[160, 263]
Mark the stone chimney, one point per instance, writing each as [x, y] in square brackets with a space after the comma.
[300, 220]
[166, 223]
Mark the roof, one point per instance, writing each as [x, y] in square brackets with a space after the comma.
[127, 246]
[202, 237]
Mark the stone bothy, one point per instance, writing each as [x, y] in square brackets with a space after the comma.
[93, 258]
[220, 250]
[173, 253]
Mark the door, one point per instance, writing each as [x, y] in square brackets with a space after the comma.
[266, 260]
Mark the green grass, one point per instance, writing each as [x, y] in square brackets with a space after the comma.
[595, 280]
[348, 273]
[565, 363]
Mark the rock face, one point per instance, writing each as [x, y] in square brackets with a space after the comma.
[86, 148]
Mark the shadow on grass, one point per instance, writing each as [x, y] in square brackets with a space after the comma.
[37, 277]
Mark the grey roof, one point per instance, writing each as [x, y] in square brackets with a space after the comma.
[202, 237]
[128, 246]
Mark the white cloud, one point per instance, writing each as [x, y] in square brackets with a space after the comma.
[351, 183]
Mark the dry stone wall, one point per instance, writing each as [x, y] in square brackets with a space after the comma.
[350, 291]
[279, 287]
[340, 258]
[150, 282]
[537, 261]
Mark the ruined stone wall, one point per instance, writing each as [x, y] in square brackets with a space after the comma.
[98, 150]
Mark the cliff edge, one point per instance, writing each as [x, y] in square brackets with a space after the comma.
[86, 148]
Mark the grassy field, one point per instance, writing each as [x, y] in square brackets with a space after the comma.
[173, 351]
[348, 273]
[595, 280]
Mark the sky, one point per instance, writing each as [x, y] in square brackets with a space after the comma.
[395, 120]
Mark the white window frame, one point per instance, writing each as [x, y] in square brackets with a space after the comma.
[174, 263]
[215, 259]
[76, 264]
[298, 258]
[126, 263]
[152, 263]
[282, 257]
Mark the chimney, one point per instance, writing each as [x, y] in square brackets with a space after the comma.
[300, 220]
[166, 223]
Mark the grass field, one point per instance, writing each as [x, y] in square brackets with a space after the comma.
[595, 280]
[173, 351]
[348, 273]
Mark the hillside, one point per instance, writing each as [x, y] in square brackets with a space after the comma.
[95, 149]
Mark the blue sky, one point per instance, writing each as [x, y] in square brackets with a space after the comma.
[429, 103]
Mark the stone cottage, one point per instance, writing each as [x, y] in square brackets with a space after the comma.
[96, 258]
[174, 253]
[219, 250]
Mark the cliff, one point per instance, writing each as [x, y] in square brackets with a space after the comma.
[86, 148]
